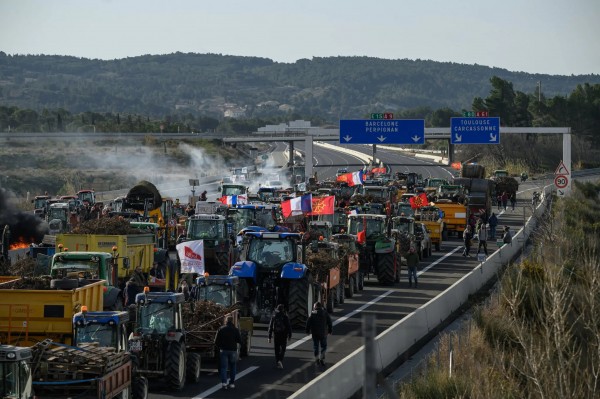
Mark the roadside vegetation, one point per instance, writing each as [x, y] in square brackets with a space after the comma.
[539, 334]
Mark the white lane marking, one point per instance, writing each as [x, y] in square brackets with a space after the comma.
[438, 261]
[344, 318]
[218, 387]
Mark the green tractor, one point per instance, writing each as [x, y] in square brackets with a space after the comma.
[377, 247]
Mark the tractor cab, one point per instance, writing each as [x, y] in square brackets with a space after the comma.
[108, 329]
[15, 372]
[221, 290]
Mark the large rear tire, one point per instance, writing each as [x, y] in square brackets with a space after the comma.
[360, 281]
[193, 366]
[330, 305]
[351, 286]
[300, 300]
[341, 293]
[139, 388]
[175, 365]
[246, 342]
[386, 269]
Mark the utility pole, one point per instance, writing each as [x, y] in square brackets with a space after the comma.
[539, 91]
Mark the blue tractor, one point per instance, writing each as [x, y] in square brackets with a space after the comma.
[272, 273]
[158, 341]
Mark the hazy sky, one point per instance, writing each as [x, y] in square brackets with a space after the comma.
[536, 36]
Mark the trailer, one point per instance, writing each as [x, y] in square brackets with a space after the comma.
[28, 316]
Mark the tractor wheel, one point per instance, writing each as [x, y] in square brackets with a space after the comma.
[193, 367]
[386, 269]
[300, 301]
[175, 366]
[330, 305]
[139, 388]
[350, 289]
[341, 293]
[246, 342]
[360, 281]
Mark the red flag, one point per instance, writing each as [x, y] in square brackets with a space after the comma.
[322, 205]
[361, 236]
[418, 201]
[342, 178]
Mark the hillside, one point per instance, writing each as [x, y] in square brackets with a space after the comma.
[209, 84]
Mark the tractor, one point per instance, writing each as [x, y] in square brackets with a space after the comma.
[158, 341]
[376, 245]
[272, 273]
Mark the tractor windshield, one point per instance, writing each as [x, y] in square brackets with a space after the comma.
[105, 335]
[216, 293]
[9, 375]
[205, 229]
[271, 253]
[57, 213]
[158, 317]
[374, 227]
[405, 226]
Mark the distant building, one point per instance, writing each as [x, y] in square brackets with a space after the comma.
[235, 112]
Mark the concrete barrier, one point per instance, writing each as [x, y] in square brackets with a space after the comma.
[345, 378]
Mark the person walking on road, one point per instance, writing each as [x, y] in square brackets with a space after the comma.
[513, 200]
[482, 235]
[467, 237]
[504, 199]
[412, 261]
[280, 329]
[227, 340]
[319, 326]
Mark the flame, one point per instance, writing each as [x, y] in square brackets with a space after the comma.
[18, 245]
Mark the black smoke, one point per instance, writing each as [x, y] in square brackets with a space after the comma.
[24, 226]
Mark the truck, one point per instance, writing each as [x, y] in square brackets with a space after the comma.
[271, 273]
[455, 218]
[85, 266]
[158, 341]
[133, 250]
[28, 315]
[47, 370]
[376, 246]
[433, 219]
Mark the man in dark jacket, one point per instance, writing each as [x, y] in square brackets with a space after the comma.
[319, 325]
[281, 329]
[227, 340]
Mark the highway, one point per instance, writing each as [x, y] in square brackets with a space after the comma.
[257, 375]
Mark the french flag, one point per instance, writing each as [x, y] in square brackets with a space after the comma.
[355, 178]
[297, 206]
[233, 200]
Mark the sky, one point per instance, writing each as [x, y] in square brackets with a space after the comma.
[556, 37]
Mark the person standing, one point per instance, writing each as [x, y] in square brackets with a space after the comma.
[412, 261]
[513, 200]
[499, 200]
[482, 235]
[467, 237]
[280, 328]
[507, 237]
[319, 326]
[135, 285]
[493, 222]
[227, 340]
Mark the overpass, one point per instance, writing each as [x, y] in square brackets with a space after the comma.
[310, 134]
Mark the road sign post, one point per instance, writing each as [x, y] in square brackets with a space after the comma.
[478, 130]
[382, 131]
[562, 179]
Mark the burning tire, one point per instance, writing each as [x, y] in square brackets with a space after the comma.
[386, 268]
[175, 366]
[300, 301]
